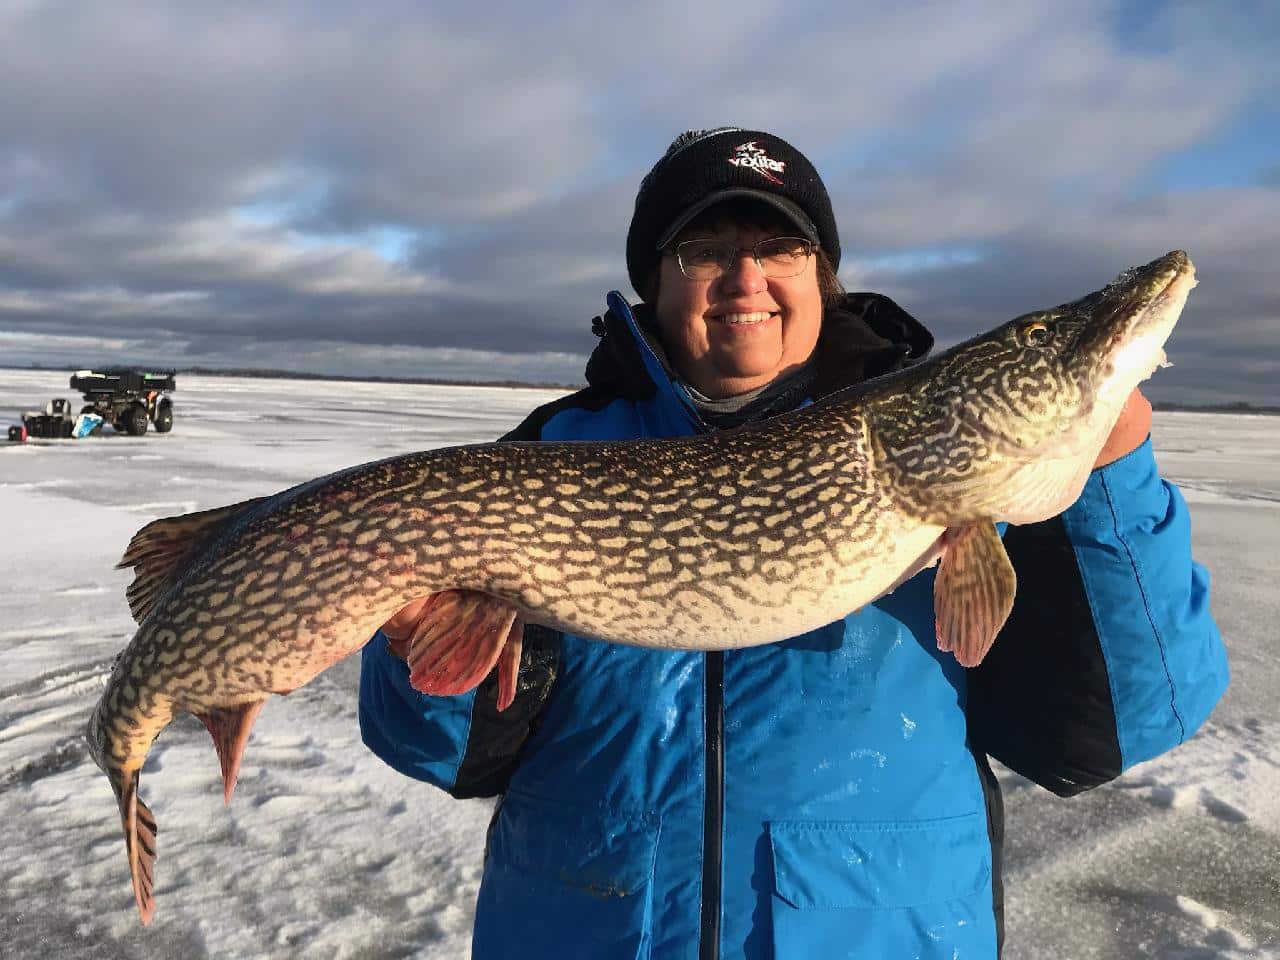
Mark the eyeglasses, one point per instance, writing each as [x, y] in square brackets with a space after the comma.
[776, 257]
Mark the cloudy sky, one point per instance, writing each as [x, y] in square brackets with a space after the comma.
[444, 189]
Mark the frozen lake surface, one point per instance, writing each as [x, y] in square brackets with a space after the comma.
[325, 852]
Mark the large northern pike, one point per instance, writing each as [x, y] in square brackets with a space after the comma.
[725, 540]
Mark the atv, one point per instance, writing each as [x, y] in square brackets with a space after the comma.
[128, 399]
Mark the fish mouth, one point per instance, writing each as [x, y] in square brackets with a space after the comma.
[1128, 322]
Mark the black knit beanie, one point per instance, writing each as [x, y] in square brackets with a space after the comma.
[703, 167]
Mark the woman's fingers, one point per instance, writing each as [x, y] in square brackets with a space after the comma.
[399, 628]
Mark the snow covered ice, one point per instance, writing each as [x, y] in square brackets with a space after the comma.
[326, 852]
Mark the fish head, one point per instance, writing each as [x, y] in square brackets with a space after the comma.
[1121, 332]
[1014, 419]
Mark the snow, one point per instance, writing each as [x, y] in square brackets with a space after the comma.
[326, 852]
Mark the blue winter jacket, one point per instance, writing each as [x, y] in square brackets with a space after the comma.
[828, 796]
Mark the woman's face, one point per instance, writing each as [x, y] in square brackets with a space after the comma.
[742, 330]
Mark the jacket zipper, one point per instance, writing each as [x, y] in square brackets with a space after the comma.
[713, 809]
[713, 797]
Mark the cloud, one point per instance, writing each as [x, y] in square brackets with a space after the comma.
[402, 183]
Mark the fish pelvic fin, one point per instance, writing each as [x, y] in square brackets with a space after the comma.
[458, 639]
[973, 591]
[159, 552]
[509, 664]
[139, 840]
[229, 727]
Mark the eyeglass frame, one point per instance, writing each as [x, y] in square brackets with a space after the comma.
[809, 246]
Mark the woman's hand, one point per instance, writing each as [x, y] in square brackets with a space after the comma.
[399, 628]
[1128, 433]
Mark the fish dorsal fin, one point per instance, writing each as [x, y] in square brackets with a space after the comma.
[458, 639]
[159, 550]
[973, 591]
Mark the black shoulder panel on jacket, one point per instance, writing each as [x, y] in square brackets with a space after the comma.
[1040, 702]
[495, 739]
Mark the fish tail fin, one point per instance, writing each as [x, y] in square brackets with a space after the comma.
[229, 727]
[457, 641]
[139, 839]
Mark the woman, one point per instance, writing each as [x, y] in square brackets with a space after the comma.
[827, 796]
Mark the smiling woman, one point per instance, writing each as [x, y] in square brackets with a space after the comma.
[743, 267]
[828, 795]
[742, 328]
[732, 319]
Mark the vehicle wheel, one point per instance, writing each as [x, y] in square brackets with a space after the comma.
[134, 420]
[164, 418]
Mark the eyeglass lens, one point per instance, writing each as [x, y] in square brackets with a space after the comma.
[708, 259]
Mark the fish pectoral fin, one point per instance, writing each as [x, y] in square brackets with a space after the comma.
[139, 840]
[229, 727]
[159, 550]
[973, 591]
[457, 640]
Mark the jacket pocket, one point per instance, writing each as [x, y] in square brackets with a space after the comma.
[560, 884]
[874, 890]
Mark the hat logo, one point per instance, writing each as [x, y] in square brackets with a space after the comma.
[754, 158]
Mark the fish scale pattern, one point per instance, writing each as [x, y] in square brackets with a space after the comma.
[726, 537]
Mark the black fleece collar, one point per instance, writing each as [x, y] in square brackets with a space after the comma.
[863, 336]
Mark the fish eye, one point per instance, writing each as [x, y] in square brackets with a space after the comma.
[1034, 334]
